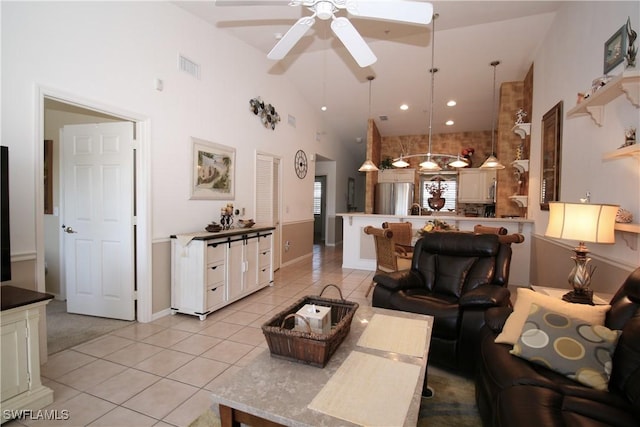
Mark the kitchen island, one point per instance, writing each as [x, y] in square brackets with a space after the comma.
[359, 251]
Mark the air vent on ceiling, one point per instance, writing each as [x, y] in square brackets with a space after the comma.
[383, 118]
[188, 66]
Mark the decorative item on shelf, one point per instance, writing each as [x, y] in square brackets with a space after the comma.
[629, 137]
[226, 216]
[632, 50]
[520, 152]
[585, 223]
[597, 83]
[266, 112]
[436, 188]
[520, 115]
[246, 223]
[623, 216]
[386, 164]
[435, 225]
[214, 227]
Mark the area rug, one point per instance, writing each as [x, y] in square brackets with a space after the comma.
[66, 330]
[452, 405]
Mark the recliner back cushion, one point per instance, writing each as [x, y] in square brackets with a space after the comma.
[451, 263]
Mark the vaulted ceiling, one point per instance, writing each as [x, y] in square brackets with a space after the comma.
[468, 36]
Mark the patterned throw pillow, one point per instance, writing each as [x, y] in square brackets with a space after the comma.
[567, 345]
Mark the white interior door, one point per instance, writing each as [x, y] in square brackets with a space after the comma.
[98, 219]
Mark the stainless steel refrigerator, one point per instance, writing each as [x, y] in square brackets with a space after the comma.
[393, 198]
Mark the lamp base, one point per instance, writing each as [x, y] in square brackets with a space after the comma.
[584, 297]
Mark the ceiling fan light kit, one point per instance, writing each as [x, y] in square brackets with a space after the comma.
[411, 12]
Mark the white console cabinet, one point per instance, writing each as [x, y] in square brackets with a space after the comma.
[216, 269]
[22, 388]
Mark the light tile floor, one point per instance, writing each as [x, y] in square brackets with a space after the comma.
[161, 373]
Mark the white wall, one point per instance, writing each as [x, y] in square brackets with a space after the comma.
[570, 57]
[110, 53]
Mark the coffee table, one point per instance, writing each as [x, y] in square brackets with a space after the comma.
[272, 391]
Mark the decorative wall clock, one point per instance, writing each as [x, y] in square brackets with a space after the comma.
[301, 164]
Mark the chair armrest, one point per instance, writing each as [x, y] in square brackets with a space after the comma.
[405, 251]
[398, 280]
[485, 296]
[496, 317]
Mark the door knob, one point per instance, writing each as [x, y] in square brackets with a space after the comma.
[68, 229]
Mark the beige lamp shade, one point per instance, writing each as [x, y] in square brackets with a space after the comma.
[368, 166]
[582, 222]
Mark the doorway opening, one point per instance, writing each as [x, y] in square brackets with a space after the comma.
[48, 226]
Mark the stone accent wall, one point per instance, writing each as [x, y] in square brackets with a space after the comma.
[373, 152]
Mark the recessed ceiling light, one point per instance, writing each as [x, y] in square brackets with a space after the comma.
[449, 123]
[323, 108]
[451, 103]
[404, 107]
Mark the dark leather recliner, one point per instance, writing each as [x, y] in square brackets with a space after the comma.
[454, 277]
[511, 391]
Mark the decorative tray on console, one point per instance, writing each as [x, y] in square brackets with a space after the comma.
[309, 347]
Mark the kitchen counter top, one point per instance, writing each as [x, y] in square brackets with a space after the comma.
[441, 217]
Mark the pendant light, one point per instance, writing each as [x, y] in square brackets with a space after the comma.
[368, 165]
[492, 161]
[429, 165]
[400, 162]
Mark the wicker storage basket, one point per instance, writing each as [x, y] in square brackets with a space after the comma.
[308, 347]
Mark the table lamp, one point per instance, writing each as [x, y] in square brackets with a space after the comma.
[585, 223]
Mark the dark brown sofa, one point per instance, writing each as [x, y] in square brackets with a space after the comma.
[511, 391]
[454, 277]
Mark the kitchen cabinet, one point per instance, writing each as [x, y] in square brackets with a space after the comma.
[476, 185]
[215, 269]
[22, 388]
[397, 175]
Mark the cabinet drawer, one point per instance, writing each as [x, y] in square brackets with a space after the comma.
[264, 258]
[215, 296]
[215, 274]
[264, 243]
[215, 252]
[264, 275]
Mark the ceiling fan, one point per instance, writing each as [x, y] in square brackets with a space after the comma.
[413, 12]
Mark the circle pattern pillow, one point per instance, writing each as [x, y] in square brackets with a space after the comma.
[572, 347]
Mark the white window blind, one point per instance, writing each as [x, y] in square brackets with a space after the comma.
[317, 198]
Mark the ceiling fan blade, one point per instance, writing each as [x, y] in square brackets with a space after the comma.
[353, 41]
[252, 2]
[413, 12]
[292, 37]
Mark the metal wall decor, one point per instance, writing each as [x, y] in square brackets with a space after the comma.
[267, 112]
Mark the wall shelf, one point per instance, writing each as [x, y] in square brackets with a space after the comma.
[519, 200]
[627, 83]
[628, 151]
[522, 129]
[628, 227]
[521, 165]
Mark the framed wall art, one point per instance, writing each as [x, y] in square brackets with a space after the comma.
[615, 49]
[213, 168]
[551, 156]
